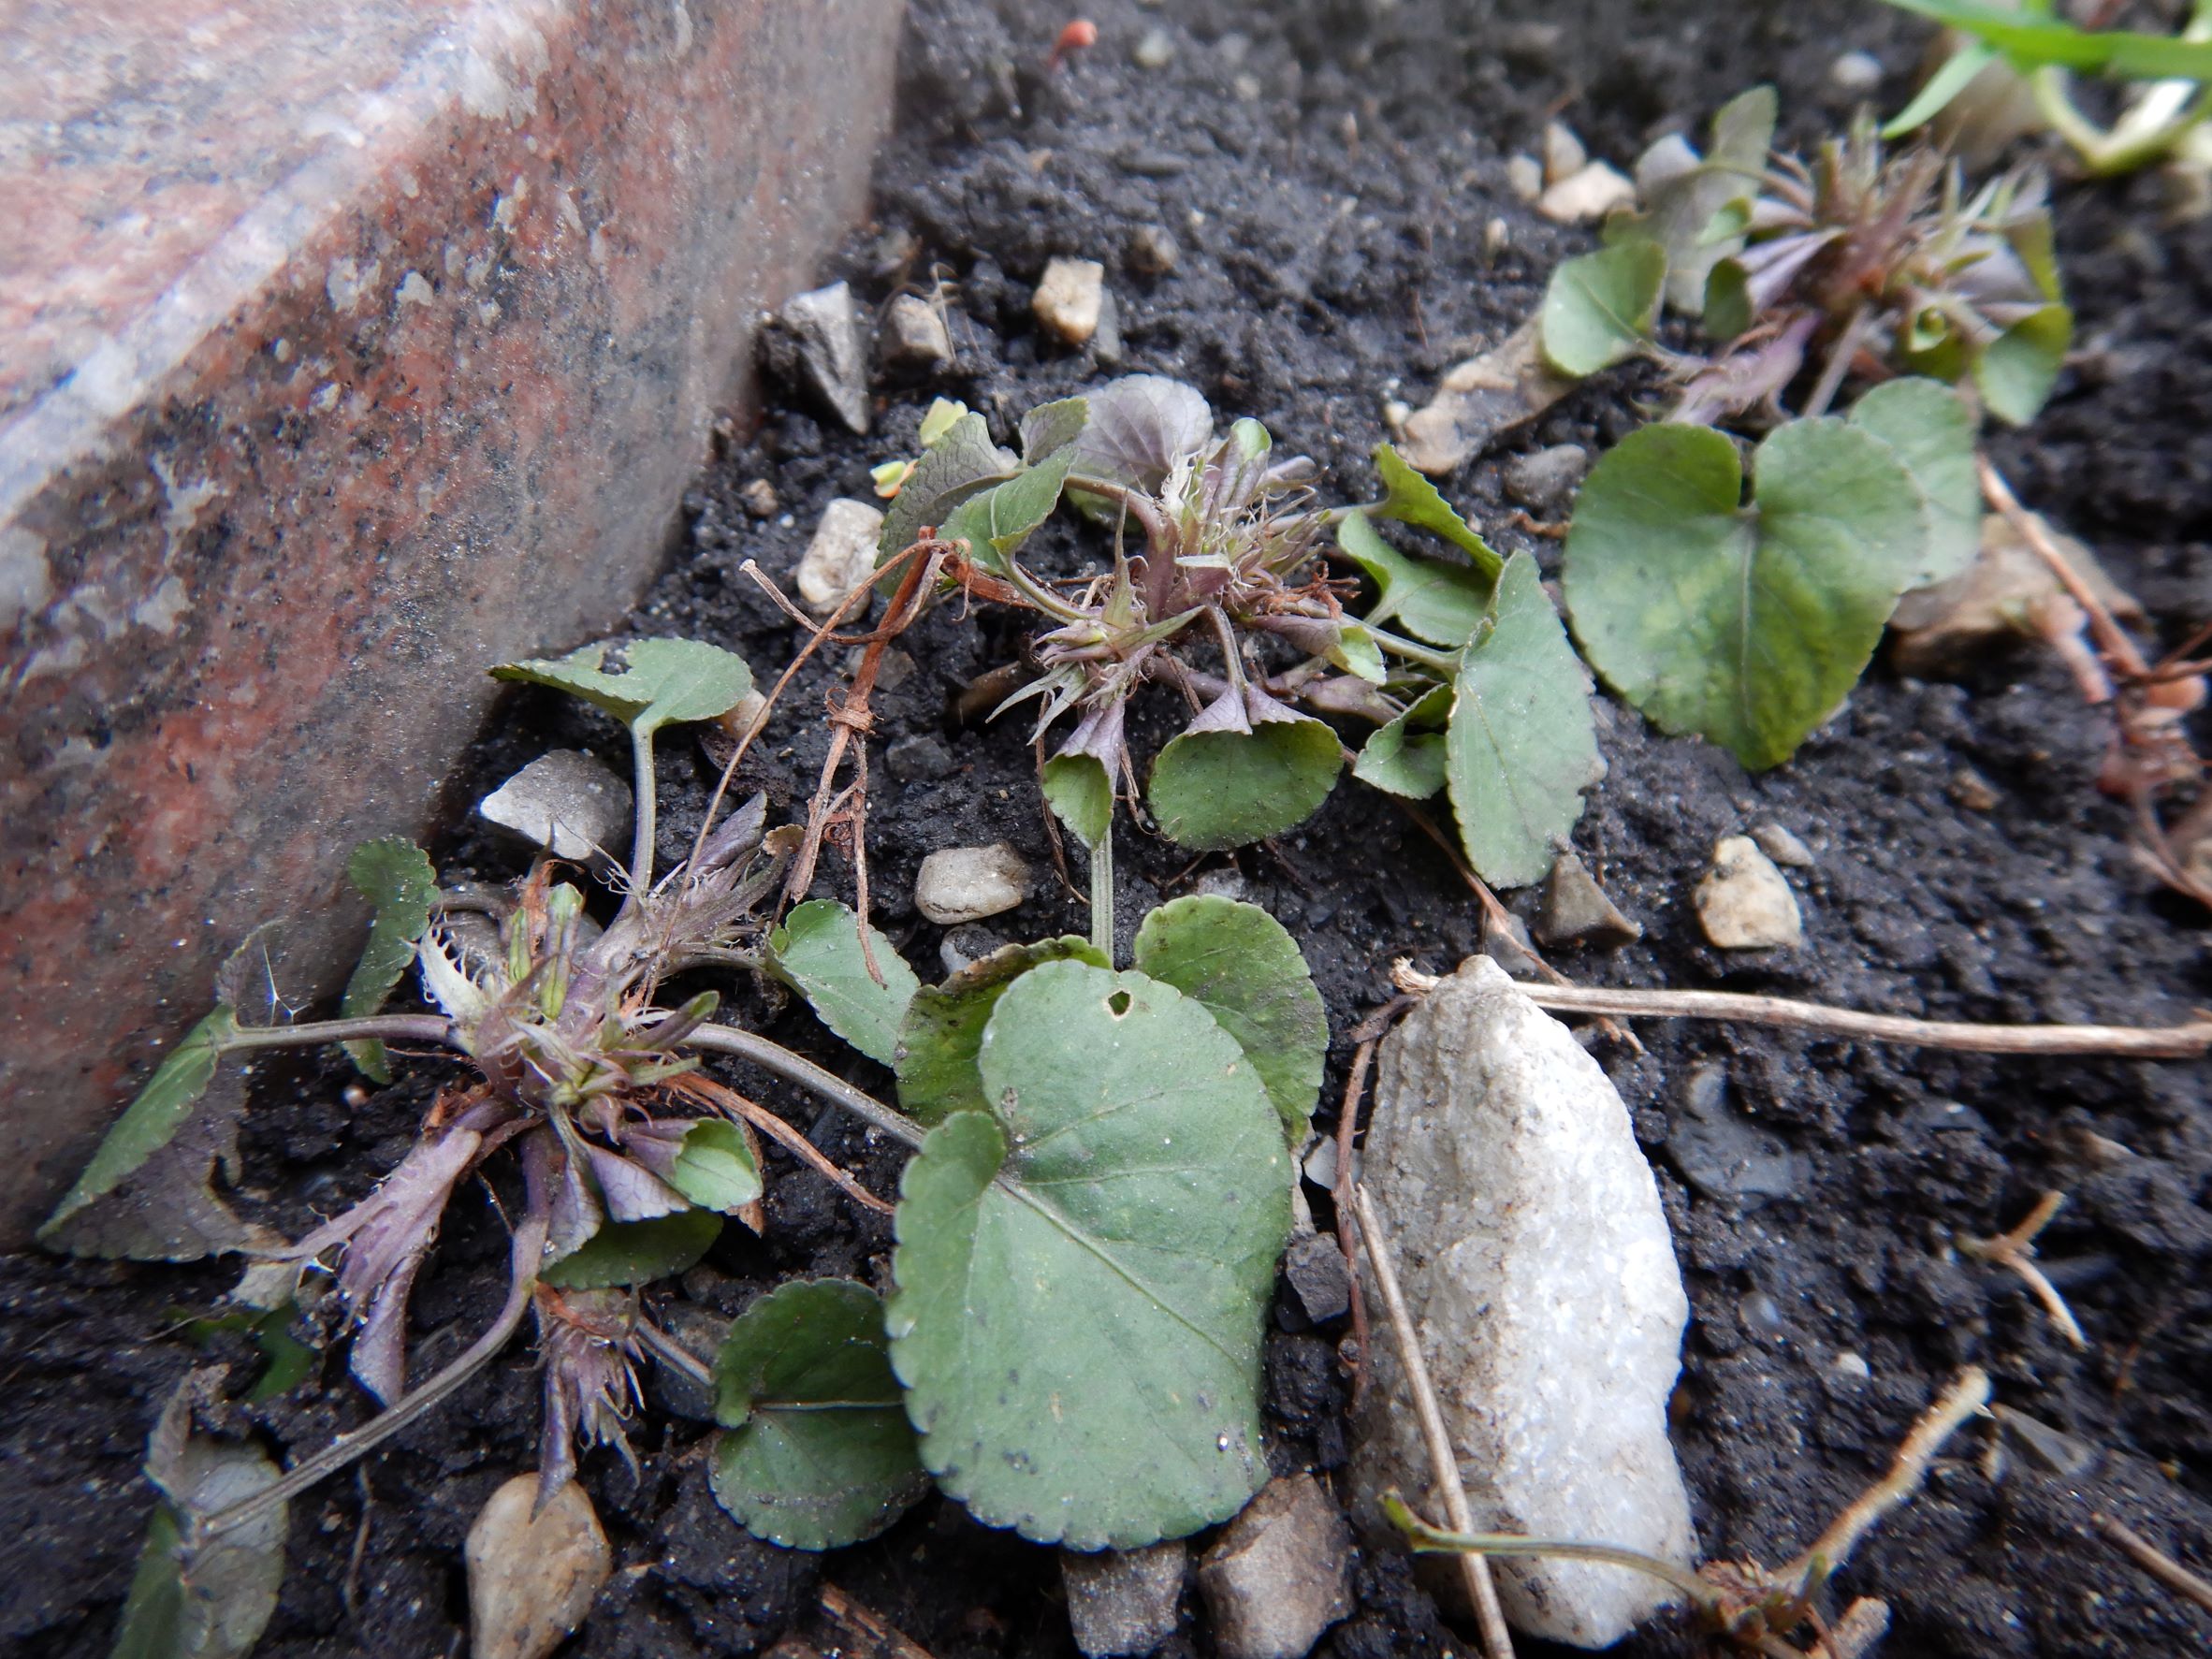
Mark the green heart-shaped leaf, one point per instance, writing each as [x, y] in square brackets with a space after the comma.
[1521, 747]
[944, 1027]
[817, 1451]
[1083, 1273]
[1212, 790]
[664, 681]
[1601, 308]
[1747, 622]
[1247, 970]
[1930, 429]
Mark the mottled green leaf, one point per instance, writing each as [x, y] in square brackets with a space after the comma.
[1052, 427]
[1521, 746]
[1928, 428]
[1212, 790]
[153, 1120]
[395, 876]
[1747, 623]
[1247, 970]
[944, 1027]
[1600, 309]
[817, 952]
[1433, 600]
[1083, 1273]
[636, 1252]
[817, 1452]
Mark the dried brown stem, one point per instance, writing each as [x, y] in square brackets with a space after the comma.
[2138, 1043]
[1347, 1240]
[2015, 1249]
[2156, 1562]
[1966, 1395]
[882, 1640]
[1480, 1591]
[705, 1091]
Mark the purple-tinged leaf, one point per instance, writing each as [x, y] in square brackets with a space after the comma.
[631, 1191]
[1140, 427]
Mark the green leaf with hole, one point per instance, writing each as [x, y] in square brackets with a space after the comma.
[395, 876]
[1411, 498]
[1078, 790]
[1212, 790]
[1521, 746]
[664, 681]
[943, 1030]
[714, 1168]
[162, 1108]
[1247, 970]
[1084, 1272]
[995, 522]
[960, 462]
[816, 1450]
[1747, 622]
[1928, 427]
[1405, 757]
[817, 952]
[2015, 372]
[1600, 309]
[636, 1252]
[1441, 602]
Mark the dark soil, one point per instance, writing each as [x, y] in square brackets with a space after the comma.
[1328, 169]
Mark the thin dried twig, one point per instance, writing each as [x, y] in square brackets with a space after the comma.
[850, 717]
[1966, 1395]
[2015, 1249]
[1347, 1122]
[886, 1640]
[720, 1095]
[2139, 1043]
[1481, 1592]
[2156, 1562]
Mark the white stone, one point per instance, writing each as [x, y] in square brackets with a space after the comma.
[1564, 154]
[840, 556]
[1782, 847]
[1590, 194]
[1743, 904]
[967, 884]
[1125, 1601]
[914, 337]
[1857, 74]
[1541, 1281]
[824, 329]
[1525, 177]
[531, 1580]
[1281, 1573]
[567, 803]
[1068, 300]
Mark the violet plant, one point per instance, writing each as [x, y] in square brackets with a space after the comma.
[1217, 594]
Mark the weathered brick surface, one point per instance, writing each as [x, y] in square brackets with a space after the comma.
[342, 351]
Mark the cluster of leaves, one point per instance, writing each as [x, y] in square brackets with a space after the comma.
[1858, 262]
[1460, 661]
[2032, 41]
[1743, 603]
[1086, 1236]
[1086, 1241]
